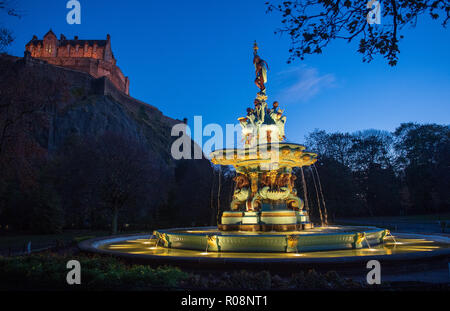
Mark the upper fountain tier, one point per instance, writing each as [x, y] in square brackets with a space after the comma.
[262, 125]
[263, 134]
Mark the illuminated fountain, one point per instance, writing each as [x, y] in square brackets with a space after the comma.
[267, 219]
[265, 201]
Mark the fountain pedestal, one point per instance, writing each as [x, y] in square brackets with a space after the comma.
[279, 220]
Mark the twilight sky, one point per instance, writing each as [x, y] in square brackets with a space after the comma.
[195, 58]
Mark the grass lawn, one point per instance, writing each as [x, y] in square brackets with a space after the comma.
[48, 271]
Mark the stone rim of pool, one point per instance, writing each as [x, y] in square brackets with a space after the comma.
[414, 252]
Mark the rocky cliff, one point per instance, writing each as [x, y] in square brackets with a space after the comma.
[78, 105]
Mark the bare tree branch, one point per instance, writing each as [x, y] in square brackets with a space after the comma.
[313, 24]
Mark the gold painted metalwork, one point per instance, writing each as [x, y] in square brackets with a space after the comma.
[212, 240]
[162, 237]
[289, 156]
[225, 214]
[292, 241]
[360, 236]
[273, 177]
[254, 182]
[285, 214]
[255, 47]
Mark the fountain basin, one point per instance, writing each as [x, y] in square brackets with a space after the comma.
[406, 251]
[316, 239]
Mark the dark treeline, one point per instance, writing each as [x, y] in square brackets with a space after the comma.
[377, 173]
[105, 183]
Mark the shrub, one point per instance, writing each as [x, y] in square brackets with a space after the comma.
[97, 273]
[240, 280]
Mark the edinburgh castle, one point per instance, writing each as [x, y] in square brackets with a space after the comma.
[92, 56]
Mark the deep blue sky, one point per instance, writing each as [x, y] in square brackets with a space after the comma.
[195, 58]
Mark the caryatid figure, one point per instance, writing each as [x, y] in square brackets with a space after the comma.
[248, 126]
[277, 116]
[260, 111]
[249, 119]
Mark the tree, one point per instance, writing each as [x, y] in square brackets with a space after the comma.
[6, 35]
[339, 188]
[334, 145]
[358, 172]
[423, 157]
[374, 173]
[124, 171]
[313, 24]
[371, 147]
[110, 172]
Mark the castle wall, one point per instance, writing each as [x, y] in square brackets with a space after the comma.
[89, 85]
[95, 67]
[92, 56]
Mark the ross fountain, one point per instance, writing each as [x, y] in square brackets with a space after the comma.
[265, 201]
[267, 219]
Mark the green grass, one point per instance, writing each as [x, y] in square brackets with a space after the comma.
[48, 271]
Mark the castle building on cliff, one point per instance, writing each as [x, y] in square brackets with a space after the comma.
[92, 56]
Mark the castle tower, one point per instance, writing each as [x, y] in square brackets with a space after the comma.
[91, 56]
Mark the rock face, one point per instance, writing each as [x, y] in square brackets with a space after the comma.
[93, 115]
[87, 107]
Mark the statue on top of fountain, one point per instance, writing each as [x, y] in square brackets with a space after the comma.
[262, 125]
[261, 68]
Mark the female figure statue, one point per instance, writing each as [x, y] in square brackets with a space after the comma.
[261, 68]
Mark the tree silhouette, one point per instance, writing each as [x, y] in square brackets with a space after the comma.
[6, 35]
[423, 156]
[313, 24]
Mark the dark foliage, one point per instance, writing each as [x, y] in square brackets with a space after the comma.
[374, 173]
[6, 35]
[48, 272]
[313, 24]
